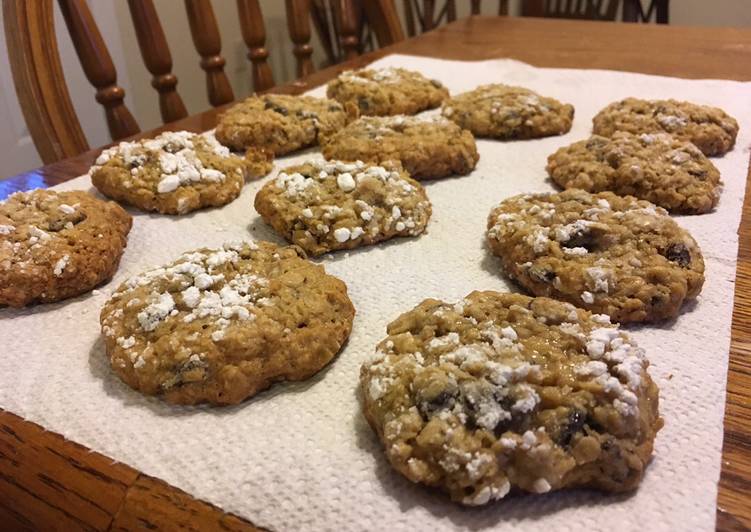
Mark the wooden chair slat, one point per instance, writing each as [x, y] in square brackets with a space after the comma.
[205, 33]
[450, 8]
[98, 67]
[254, 34]
[384, 20]
[633, 11]
[323, 22]
[346, 17]
[157, 58]
[574, 9]
[39, 81]
[409, 18]
[298, 22]
[428, 15]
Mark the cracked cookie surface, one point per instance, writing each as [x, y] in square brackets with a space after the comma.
[279, 123]
[609, 254]
[427, 149]
[507, 113]
[175, 172]
[711, 129]
[220, 325]
[503, 392]
[386, 91]
[656, 167]
[56, 245]
[324, 206]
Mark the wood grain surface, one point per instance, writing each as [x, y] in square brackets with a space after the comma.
[47, 482]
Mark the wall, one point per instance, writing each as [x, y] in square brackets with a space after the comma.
[114, 21]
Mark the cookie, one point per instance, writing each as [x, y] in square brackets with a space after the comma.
[609, 254]
[505, 112]
[711, 129]
[503, 392]
[386, 91]
[174, 173]
[656, 167]
[426, 148]
[279, 123]
[221, 325]
[327, 205]
[56, 245]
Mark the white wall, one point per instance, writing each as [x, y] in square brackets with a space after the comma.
[115, 24]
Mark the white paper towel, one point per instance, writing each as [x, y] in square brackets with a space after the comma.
[301, 456]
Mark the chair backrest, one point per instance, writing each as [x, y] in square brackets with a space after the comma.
[573, 9]
[633, 11]
[420, 16]
[42, 91]
[384, 19]
[342, 27]
[476, 5]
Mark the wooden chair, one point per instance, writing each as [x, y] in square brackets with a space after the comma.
[572, 9]
[343, 29]
[387, 27]
[633, 10]
[422, 15]
[42, 91]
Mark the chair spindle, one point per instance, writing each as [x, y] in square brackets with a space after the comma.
[98, 67]
[157, 58]
[208, 43]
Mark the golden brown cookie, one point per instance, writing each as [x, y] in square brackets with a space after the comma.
[386, 91]
[505, 112]
[220, 325]
[656, 167]
[279, 123]
[503, 392]
[427, 149]
[609, 254]
[174, 173]
[327, 205]
[56, 245]
[711, 129]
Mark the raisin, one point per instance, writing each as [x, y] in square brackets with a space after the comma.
[678, 253]
[581, 238]
[542, 275]
[596, 143]
[363, 103]
[656, 300]
[574, 424]
[443, 401]
[437, 84]
[276, 108]
[56, 225]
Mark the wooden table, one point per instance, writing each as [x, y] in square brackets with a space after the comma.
[47, 482]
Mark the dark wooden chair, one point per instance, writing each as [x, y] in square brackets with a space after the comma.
[342, 27]
[424, 15]
[571, 9]
[633, 10]
[43, 93]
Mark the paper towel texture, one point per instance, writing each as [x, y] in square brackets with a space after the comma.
[301, 456]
